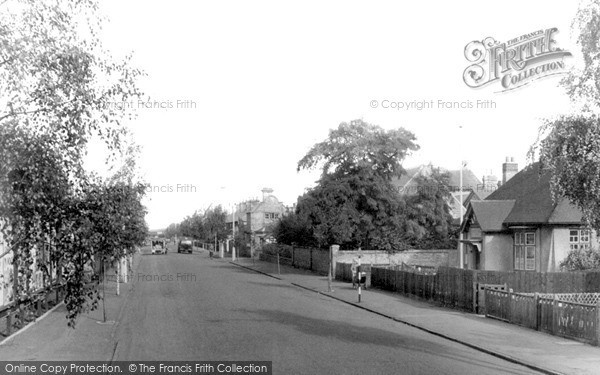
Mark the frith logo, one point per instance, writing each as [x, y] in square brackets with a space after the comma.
[514, 63]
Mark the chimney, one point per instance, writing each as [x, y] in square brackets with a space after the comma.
[266, 192]
[509, 169]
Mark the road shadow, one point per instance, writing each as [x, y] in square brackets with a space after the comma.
[351, 333]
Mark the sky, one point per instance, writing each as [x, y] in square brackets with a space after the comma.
[250, 86]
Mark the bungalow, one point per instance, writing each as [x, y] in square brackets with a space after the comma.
[520, 227]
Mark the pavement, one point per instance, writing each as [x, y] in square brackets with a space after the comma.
[536, 350]
[50, 337]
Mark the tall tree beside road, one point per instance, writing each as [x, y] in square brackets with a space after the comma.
[215, 224]
[583, 81]
[193, 226]
[58, 89]
[428, 220]
[571, 150]
[355, 203]
[569, 145]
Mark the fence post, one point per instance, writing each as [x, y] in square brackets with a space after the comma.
[9, 323]
[555, 315]
[475, 297]
[510, 305]
[538, 310]
[597, 338]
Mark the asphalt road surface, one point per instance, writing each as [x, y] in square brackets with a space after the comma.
[189, 307]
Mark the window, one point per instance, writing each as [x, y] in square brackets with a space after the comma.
[271, 215]
[579, 239]
[524, 250]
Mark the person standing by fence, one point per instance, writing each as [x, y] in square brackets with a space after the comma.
[355, 268]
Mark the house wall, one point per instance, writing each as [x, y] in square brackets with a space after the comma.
[543, 254]
[497, 252]
[257, 218]
[561, 246]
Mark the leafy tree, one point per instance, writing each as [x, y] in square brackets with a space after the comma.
[355, 203]
[358, 145]
[173, 230]
[583, 83]
[571, 151]
[294, 229]
[429, 222]
[58, 88]
[193, 226]
[215, 224]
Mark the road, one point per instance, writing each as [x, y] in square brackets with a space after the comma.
[189, 307]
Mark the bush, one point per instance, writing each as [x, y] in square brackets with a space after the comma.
[581, 260]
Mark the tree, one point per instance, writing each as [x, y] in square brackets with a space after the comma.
[294, 229]
[429, 222]
[359, 145]
[571, 150]
[215, 224]
[193, 226]
[569, 146]
[582, 84]
[58, 87]
[355, 203]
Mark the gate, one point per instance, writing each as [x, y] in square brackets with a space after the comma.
[480, 295]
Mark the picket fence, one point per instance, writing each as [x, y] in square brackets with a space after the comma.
[555, 314]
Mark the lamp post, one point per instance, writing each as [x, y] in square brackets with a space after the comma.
[233, 232]
[460, 201]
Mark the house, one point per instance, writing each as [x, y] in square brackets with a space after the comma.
[472, 187]
[256, 217]
[520, 227]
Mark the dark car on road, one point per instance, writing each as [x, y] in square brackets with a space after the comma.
[184, 246]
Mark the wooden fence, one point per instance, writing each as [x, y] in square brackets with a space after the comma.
[546, 313]
[450, 286]
[316, 260]
[459, 287]
[13, 317]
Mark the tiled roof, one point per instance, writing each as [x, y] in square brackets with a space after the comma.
[490, 215]
[407, 180]
[530, 188]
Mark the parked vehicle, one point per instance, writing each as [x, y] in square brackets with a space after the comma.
[185, 246]
[159, 247]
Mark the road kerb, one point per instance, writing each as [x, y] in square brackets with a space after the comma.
[435, 333]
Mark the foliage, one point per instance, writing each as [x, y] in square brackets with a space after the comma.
[358, 146]
[428, 220]
[215, 224]
[294, 229]
[581, 260]
[193, 226]
[173, 230]
[583, 83]
[571, 151]
[57, 85]
[355, 203]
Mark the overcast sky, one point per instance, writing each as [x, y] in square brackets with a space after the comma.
[265, 80]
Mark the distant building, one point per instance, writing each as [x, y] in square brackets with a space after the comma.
[257, 217]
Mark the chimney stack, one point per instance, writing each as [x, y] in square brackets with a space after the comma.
[266, 192]
[509, 169]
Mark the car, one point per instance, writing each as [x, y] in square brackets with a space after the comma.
[184, 246]
[159, 247]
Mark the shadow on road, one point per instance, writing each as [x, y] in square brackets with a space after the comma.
[351, 333]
